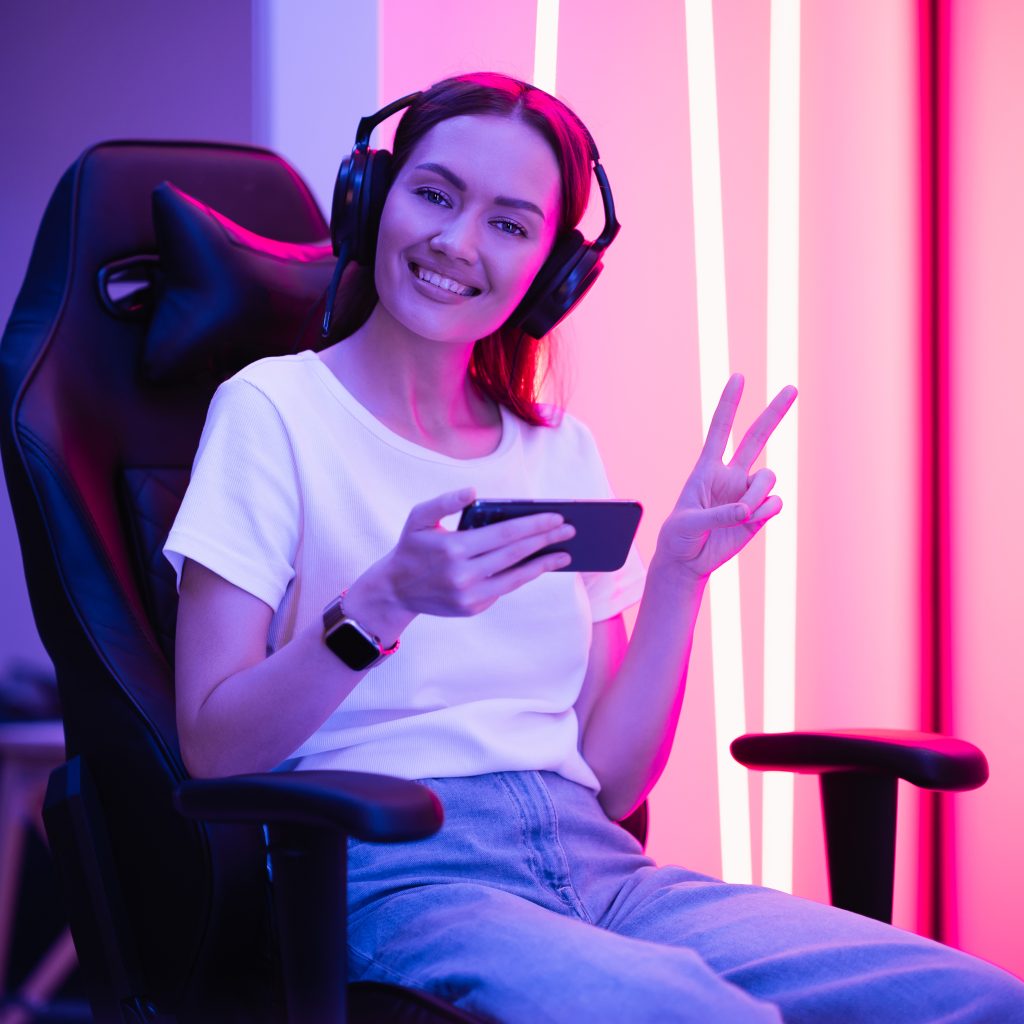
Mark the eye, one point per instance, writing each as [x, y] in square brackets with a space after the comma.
[434, 196]
[509, 227]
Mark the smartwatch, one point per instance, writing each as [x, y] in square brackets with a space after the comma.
[357, 647]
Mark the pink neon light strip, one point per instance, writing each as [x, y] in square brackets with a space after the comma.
[936, 898]
[545, 53]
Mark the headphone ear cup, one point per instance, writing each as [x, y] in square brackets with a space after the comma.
[342, 209]
[359, 193]
[566, 276]
[376, 182]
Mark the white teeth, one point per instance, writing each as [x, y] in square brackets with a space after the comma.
[443, 282]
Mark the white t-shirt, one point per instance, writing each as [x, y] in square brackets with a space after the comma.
[297, 489]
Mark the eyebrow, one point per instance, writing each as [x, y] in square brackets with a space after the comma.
[451, 176]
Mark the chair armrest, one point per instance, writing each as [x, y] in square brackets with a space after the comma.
[374, 808]
[309, 816]
[923, 758]
[858, 771]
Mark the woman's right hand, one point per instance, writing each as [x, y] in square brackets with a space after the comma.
[436, 571]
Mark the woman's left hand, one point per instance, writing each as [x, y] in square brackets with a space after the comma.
[722, 506]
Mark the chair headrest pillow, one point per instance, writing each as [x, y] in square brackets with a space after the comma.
[225, 296]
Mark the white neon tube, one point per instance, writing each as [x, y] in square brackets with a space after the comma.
[783, 325]
[713, 347]
[545, 50]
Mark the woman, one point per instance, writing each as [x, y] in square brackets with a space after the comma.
[327, 479]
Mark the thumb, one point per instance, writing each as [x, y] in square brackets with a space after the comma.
[427, 514]
[703, 519]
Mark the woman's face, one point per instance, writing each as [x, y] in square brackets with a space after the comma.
[468, 222]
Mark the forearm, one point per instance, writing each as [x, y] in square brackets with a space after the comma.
[254, 719]
[257, 716]
[628, 735]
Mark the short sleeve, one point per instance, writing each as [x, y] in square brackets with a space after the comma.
[613, 592]
[240, 516]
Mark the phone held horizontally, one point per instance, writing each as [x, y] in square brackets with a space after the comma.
[604, 528]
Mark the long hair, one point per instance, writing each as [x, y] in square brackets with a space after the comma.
[508, 365]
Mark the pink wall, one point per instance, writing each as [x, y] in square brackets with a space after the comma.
[987, 322]
[859, 341]
[470, 36]
[634, 348]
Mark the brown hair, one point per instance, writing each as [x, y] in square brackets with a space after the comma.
[508, 365]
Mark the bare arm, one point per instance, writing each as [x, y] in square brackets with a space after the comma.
[631, 699]
[238, 710]
[633, 692]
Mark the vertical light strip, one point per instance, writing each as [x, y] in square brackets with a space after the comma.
[783, 325]
[545, 51]
[713, 347]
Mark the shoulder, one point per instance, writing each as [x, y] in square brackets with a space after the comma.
[567, 434]
[564, 459]
[276, 383]
[263, 401]
[276, 374]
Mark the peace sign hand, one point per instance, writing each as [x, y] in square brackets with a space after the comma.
[722, 506]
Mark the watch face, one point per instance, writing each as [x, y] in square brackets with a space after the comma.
[352, 645]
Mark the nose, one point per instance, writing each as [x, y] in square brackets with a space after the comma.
[457, 239]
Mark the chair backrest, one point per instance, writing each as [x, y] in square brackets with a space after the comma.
[96, 459]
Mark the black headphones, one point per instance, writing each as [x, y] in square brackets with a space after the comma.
[362, 186]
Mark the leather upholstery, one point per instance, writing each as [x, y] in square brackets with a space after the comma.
[95, 461]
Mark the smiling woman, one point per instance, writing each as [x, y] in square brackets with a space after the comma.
[312, 540]
[451, 234]
[507, 363]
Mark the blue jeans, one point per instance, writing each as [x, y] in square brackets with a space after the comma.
[530, 905]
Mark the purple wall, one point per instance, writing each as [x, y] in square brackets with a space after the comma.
[72, 74]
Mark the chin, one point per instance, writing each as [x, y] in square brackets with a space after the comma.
[442, 326]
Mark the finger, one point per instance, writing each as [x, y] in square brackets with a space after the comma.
[497, 536]
[699, 520]
[768, 509]
[512, 579]
[428, 514]
[499, 559]
[762, 428]
[759, 486]
[723, 418]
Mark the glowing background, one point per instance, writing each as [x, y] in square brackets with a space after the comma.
[987, 324]
[298, 77]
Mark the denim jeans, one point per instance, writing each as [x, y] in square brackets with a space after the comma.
[530, 905]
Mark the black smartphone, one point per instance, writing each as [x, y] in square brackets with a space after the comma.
[604, 529]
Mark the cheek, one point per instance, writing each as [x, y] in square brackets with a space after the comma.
[531, 267]
[387, 241]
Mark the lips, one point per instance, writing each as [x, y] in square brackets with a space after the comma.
[441, 282]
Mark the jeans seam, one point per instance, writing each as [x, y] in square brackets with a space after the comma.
[389, 972]
[575, 903]
[516, 801]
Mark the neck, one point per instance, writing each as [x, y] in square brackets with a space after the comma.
[411, 382]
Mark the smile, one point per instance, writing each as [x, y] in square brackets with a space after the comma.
[439, 281]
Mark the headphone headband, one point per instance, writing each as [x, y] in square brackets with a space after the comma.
[368, 123]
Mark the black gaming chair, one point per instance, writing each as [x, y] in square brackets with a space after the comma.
[140, 296]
